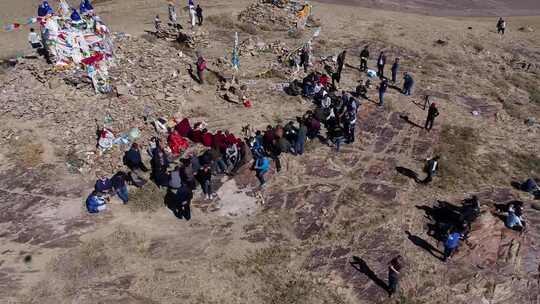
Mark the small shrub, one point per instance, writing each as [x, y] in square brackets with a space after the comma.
[478, 47]
[457, 148]
[296, 34]
[224, 20]
[534, 95]
[147, 198]
[249, 28]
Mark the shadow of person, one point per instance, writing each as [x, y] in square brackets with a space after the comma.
[192, 75]
[407, 120]
[420, 242]
[408, 173]
[361, 265]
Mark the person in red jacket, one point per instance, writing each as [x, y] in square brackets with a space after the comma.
[219, 141]
[207, 138]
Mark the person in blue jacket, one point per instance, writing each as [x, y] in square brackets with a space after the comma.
[451, 244]
[95, 203]
[75, 16]
[85, 6]
[262, 165]
[44, 9]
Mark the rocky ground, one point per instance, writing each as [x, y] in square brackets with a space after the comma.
[292, 242]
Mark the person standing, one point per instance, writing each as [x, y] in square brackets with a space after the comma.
[183, 201]
[204, 176]
[173, 20]
[431, 168]
[340, 64]
[381, 62]
[192, 13]
[157, 24]
[364, 57]
[201, 67]
[305, 56]
[199, 13]
[301, 136]
[394, 267]
[501, 26]
[451, 244]
[262, 165]
[395, 69]
[382, 90]
[350, 125]
[408, 83]
[432, 113]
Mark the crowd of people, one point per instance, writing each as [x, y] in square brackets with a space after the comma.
[335, 112]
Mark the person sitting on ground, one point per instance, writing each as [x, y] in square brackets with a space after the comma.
[119, 183]
[531, 186]
[514, 218]
[470, 209]
[133, 159]
[34, 39]
[103, 184]
[451, 244]
[232, 156]
[432, 165]
[291, 134]
[207, 138]
[218, 165]
[95, 202]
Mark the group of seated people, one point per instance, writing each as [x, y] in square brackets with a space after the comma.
[224, 155]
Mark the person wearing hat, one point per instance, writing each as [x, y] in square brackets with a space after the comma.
[432, 113]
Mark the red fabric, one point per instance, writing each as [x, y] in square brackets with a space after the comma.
[230, 139]
[247, 103]
[177, 143]
[324, 80]
[207, 139]
[196, 136]
[183, 128]
[93, 59]
[219, 141]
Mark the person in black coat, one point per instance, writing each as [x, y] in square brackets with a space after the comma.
[381, 62]
[395, 69]
[133, 159]
[364, 57]
[432, 113]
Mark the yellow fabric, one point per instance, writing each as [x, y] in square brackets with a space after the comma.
[304, 13]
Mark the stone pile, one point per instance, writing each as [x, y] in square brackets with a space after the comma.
[263, 13]
[148, 84]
